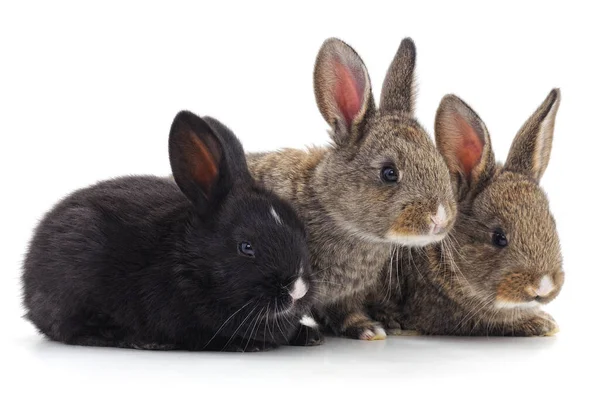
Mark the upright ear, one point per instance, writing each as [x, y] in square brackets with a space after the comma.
[235, 157]
[530, 150]
[343, 90]
[463, 141]
[398, 93]
[198, 161]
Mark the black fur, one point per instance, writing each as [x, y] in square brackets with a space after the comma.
[135, 262]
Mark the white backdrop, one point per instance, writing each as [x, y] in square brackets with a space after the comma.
[88, 92]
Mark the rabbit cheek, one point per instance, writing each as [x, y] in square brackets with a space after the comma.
[409, 222]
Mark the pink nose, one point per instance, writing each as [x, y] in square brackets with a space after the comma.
[439, 220]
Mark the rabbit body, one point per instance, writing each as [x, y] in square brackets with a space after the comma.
[208, 261]
[502, 259]
[381, 184]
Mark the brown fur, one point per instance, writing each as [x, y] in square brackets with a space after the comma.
[350, 213]
[452, 287]
[405, 224]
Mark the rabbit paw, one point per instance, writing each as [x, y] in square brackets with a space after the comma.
[386, 313]
[541, 324]
[367, 330]
[389, 319]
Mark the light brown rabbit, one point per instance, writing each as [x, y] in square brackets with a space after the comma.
[381, 183]
[502, 259]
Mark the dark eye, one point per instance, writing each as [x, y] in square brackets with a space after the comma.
[245, 248]
[499, 238]
[389, 174]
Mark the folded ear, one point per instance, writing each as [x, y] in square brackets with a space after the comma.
[342, 90]
[530, 150]
[463, 141]
[399, 85]
[198, 161]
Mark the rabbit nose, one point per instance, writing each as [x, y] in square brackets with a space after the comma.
[439, 220]
[299, 289]
[544, 288]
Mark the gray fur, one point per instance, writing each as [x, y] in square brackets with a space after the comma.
[453, 288]
[348, 210]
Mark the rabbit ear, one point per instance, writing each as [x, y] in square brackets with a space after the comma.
[399, 85]
[342, 90]
[463, 141]
[198, 161]
[235, 157]
[530, 150]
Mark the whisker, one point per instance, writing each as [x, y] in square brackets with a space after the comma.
[388, 292]
[277, 321]
[413, 263]
[400, 261]
[239, 327]
[250, 337]
[224, 323]
[329, 282]
[266, 322]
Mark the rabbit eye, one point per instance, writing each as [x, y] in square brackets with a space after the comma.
[389, 174]
[245, 249]
[499, 238]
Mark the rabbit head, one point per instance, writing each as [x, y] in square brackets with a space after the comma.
[384, 179]
[504, 248]
[249, 246]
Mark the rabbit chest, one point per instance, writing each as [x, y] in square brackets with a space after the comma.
[343, 265]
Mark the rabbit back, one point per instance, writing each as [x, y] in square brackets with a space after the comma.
[84, 256]
[204, 260]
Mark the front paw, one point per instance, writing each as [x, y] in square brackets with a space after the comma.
[365, 330]
[389, 319]
[387, 313]
[541, 324]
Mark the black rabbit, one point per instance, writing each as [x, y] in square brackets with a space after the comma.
[210, 261]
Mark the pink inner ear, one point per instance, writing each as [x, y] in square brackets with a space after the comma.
[470, 146]
[348, 92]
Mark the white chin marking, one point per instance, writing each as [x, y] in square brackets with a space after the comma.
[511, 305]
[309, 321]
[416, 240]
[299, 289]
[276, 216]
[390, 237]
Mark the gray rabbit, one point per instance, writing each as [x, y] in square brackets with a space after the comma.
[502, 259]
[381, 184]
